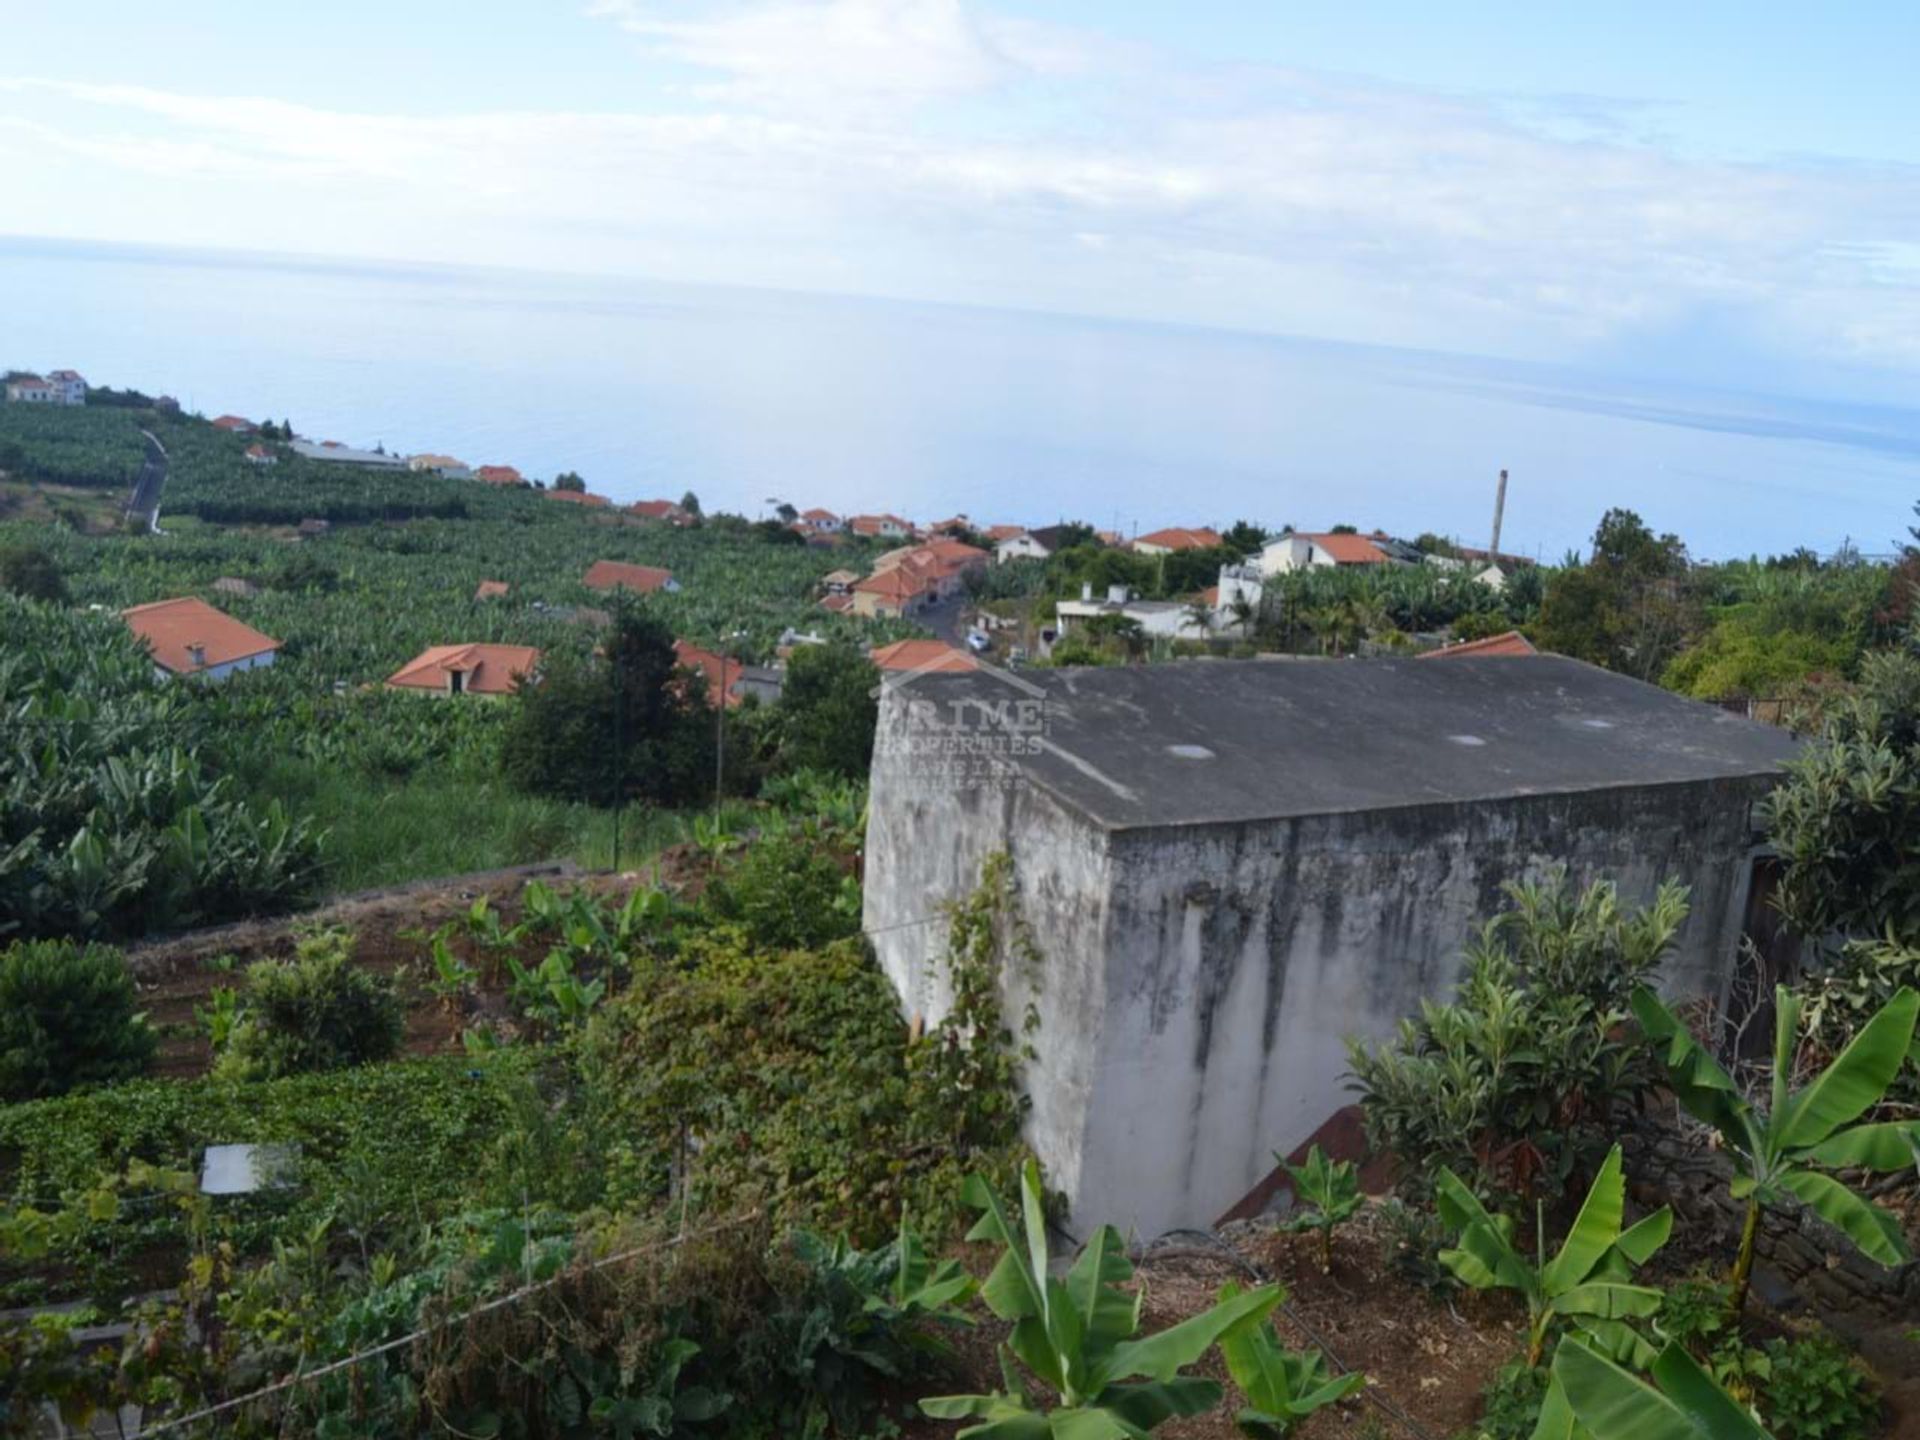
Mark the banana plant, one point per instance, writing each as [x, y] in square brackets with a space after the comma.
[1078, 1336]
[1589, 1397]
[1586, 1281]
[1788, 1148]
[1282, 1386]
[1331, 1191]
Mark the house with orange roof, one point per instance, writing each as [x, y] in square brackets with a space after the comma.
[445, 466]
[1177, 537]
[922, 657]
[723, 673]
[1300, 550]
[1508, 645]
[499, 475]
[916, 576]
[820, 522]
[258, 454]
[997, 533]
[234, 425]
[490, 670]
[663, 511]
[491, 590]
[579, 497]
[839, 582]
[187, 636]
[618, 575]
[880, 527]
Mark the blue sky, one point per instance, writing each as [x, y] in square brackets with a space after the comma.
[1725, 192]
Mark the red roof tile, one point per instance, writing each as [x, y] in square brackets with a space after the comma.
[1511, 644]
[1180, 537]
[1349, 549]
[173, 629]
[489, 589]
[923, 656]
[618, 575]
[722, 675]
[488, 669]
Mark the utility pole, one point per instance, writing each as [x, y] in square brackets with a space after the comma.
[1499, 514]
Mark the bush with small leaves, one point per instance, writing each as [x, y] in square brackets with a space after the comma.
[318, 1011]
[1816, 1390]
[67, 1019]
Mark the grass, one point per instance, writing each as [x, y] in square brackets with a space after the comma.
[382, 833]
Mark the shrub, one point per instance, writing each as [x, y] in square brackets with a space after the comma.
[1512, 1403]
[317, 1011]
[67, 1019]
[787, 895]
[1514, 1079]
[1816, 1390]
[29, 571]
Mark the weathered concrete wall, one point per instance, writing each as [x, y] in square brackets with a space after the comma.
[928, 834]
[1199, 982]
[1240, 958]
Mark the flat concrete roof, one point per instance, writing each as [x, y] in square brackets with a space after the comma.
[1211, 742]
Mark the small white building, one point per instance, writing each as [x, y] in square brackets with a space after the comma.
[68, 386]
[1039, 544]
[188, 637]
[61, 387]
[1158, 619]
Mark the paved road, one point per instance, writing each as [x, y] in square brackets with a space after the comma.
[144, 503]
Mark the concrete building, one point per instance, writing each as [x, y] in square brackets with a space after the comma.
[59, 387]
[1232, 866]
[1159, 619]
[1298, 550]
[1030, 544]
[334, 453]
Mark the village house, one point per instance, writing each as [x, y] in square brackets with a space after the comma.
[1298, 550]
[820, 522]
[1038, 544]
[994, 534]
[618, 575]
[956, 528]
[880, 527]
[839, 582]
[1165, 542]
[59, 387]
[663, 511]
[916, 577]
[490, 590]
[444, 466]
[258, 454]
[579, 497]
[234, 425]
[187, 636]
[334, 453]
[502, 475]
[489, 670]
[1159, 619]
[922, 657]
[1231, 866]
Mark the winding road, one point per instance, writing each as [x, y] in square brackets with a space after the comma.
[145, 500]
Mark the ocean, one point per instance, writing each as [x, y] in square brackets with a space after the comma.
[749, 398]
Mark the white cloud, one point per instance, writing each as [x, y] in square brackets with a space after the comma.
[928, 148]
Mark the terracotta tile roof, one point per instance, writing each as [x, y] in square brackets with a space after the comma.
[578, 497]
[258, 451]
[1180, 537]
[1350, 549]
[172, 628]
[1510, 644]
[489, 669]
[489, 589]
[656, 509]
[838, 604]
[997, 533]
[234, 423]
[838, 577]
[923, 655]
[875, 524]
[1211, 596]
[618, 575]
[722, 675]
[498, 475]
[900, 582]
[818, 514]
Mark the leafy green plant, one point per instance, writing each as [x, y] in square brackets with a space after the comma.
[787, 893]
[1817, 1390]
[1282, 1387]
[1695, 1313]
[220, 1016]
[1788, 1148]
[1586, 1280]
[1077, 1335]
[1516, 1078]
[318, 1011]
[1591, 1398]
[1330, 1191]
[452, 977]
[67, 1019]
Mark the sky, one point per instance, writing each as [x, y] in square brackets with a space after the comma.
[1726, 193]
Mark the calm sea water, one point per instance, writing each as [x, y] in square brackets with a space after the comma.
[746, 397]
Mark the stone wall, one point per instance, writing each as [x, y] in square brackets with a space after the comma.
[1800, 1261]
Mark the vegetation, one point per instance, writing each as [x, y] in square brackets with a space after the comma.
[1327, 1192]
[317, 1011]
[1077, 1336]
[1516, 1080]
[1790, 1146]
[67, 1019]
[1283, 1387]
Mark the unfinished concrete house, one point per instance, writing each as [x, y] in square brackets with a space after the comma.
[1230, 867]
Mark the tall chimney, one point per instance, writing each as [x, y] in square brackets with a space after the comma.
[1499, 513]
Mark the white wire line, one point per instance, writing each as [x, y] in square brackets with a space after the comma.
[359, 1357]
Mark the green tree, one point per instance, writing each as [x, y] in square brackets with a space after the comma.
[67, 1019]
[827, 712]
[1243, 538]
[690, 503]
[570, 480]
[1631, 607]
[29, 571]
